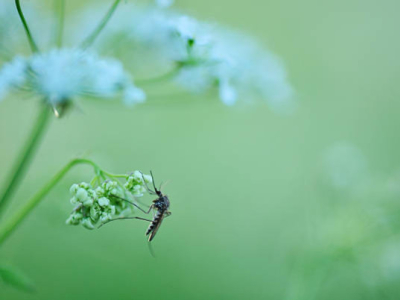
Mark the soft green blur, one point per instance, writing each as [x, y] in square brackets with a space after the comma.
[253, 216]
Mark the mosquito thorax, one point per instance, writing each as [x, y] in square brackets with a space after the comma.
[162, 203]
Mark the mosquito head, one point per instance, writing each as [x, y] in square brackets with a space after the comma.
[156, 191]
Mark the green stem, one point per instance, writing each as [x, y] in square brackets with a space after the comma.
[91, 38]
[60, 24]
[32, 43]
[26, 155]
[15, 220]
[115, 175]
[170, 74]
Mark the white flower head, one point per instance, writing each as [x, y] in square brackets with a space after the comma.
[61, 75]
[12, 75]
[207, 56]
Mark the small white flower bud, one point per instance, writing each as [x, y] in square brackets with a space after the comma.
[74, 219]
[84, 185]
[73, 189]
[105, 217]
[138, 190]
[87, 223]
[112, 210]
[104, 202]
[99, 192]
[95, 212]
[81, 194]
[74, 201]
[148, 179]
[137, 176]
[88, 202]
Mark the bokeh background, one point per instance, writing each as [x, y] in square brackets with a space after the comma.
[264, 206]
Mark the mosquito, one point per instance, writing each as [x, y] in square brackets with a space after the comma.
[160, 206]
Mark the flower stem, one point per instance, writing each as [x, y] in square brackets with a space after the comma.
[26, 155]
[166, 76]
[91, 38]
[60, 24]
[13, 222]
[32, 43]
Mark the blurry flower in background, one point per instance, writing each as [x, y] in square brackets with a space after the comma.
[390, 261]
[345, 166]
[63, 74]
[195, 55]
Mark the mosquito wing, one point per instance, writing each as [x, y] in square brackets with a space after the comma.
[153, 232]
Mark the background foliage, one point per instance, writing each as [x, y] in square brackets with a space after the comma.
[253, 214]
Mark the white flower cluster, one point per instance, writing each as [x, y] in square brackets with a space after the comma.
[105, 202]
[63, 74]
[207, 56]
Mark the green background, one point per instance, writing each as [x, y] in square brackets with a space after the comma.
[252, 216]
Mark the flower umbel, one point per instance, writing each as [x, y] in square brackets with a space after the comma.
[61, 75]
[205, 56]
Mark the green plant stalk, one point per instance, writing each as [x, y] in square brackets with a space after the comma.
[164, 77]
[22, 162]
[92, 37]
[60, 24]
[32, 43]
[11, 224]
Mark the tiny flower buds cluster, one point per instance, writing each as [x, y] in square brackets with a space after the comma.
[107, 201]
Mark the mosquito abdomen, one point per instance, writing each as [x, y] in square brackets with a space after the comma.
[156, 220]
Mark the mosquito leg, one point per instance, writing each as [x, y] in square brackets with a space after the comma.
[134, 204]
[124, 218]
[141, 203]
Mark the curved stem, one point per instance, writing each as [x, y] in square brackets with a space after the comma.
[26, 155]
[115, 175]
[60, 24]
[166, 76]
[14, 221]
[32, 43]
[91, 38]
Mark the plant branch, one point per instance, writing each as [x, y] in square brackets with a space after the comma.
[166, 76]
[60, 24]
[26, 155]
[32, 43]
[14, 221]
[91, 38]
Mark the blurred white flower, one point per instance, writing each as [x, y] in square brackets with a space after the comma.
[390, 260]
[63, 74]
[12, 75]
[345, 166]
[204, 55]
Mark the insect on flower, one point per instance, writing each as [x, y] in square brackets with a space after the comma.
[160, 206]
